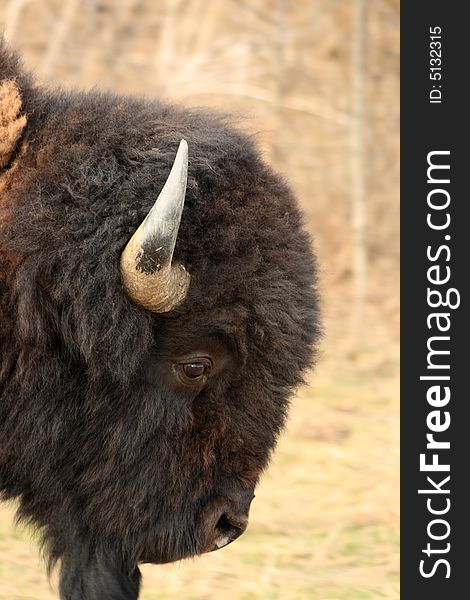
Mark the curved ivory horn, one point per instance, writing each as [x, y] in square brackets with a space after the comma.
[149, 277]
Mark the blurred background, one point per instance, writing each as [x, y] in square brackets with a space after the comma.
[317, 81]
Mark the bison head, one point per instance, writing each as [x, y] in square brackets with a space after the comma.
[148, 348]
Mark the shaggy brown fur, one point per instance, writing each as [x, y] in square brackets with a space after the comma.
[11, 125]
[105, 454]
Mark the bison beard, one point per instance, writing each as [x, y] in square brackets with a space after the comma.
[128, 435]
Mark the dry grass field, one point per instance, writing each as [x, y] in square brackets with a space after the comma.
[318, 83]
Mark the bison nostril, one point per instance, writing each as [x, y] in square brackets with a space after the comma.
[229, 527]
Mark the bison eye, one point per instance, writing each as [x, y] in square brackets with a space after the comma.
[196, 369]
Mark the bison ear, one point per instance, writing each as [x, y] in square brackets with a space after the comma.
[12, 122]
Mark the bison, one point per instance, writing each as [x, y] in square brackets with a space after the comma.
[158, 307]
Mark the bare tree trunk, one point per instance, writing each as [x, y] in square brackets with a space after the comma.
[357, 165]
[58, 38]
[12, 17]
[279, 47]
[167, 53]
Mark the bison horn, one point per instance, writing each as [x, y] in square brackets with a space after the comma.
[149, 277]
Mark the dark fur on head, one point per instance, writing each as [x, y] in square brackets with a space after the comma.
[115, 466]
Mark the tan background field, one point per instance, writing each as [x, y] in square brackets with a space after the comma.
[317, 81]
